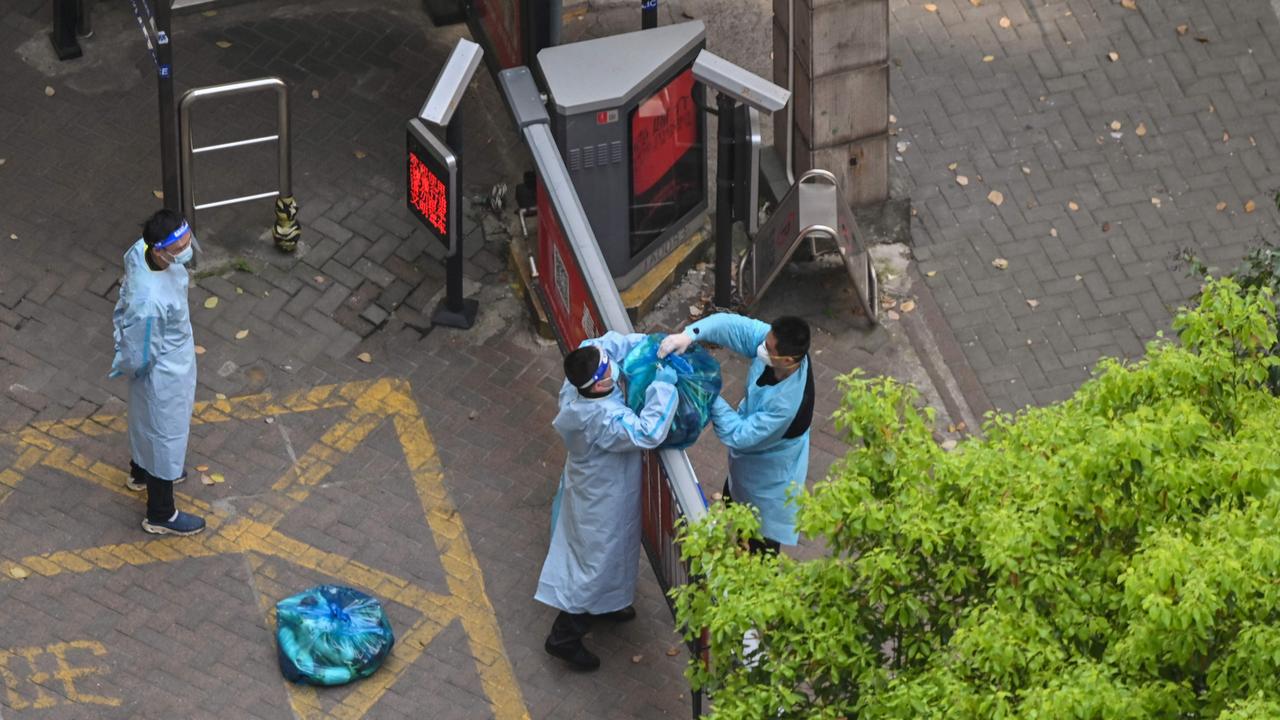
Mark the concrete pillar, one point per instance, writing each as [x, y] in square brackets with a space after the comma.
[841, 92]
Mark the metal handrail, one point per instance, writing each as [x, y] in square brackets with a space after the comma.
[281, 138]
[808, 231]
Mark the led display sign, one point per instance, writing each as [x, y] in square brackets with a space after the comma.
[432, 184]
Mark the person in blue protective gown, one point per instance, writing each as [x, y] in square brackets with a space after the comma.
[155, 351]
[591, 565]
[768, 433]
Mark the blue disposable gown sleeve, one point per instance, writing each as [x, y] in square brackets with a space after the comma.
[139, 335]
[616, 345]
[746, 432]
[736, 332]
[628, 430]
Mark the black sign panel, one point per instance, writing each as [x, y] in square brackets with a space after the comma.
[431, 172]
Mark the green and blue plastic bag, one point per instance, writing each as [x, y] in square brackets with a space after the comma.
[331, 635]
[697, 384]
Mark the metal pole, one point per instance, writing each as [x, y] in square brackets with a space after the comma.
[724, 200]
[169, 165]
[65, 19]
[84, 24]
[648, 14]
[456, 311]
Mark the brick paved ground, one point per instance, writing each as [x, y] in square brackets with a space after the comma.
[109, 624]
[1033, 122]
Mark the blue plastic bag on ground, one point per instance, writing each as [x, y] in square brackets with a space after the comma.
[697, 383]
[331, 635]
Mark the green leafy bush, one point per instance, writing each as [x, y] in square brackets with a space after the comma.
[1116, 555]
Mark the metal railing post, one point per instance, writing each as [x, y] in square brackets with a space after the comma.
[285, 230]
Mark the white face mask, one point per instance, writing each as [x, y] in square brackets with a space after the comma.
[762, 352]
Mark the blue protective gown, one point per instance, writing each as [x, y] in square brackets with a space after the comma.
[156, 351]
[765, 469]
[595, 536]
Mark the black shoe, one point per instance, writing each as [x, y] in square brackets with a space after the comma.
[578, 657]
[626, 614]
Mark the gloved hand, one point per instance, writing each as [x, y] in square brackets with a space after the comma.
[674, 343]
[666, 374]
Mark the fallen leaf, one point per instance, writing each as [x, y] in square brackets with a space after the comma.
[1073, 206]
[953, 166]
[315, 94]
[902, 147]
[202, 468]
[1155, 201]
[1026, 170]
[892, 314]
[1129, 4]
[893, 118]
[1000, 264]
[158, 193]
[1182, 29]
[907, 306]
[1106, 227]
[975, 3]
[2, 161]
[319, 279]
[473, 414]
[716, 496]
[49, 91]
[996, 197]
[1115, 125]
[199, 349]
[1053, 232]
[1251, 142]
[931, 273]
[211, 302]
[988, 58]
[268, 420]
[13, 236]
[239, 291]
[360, 154]
[19, 572]
[1079, 278]
[1225, 136]
[695, 311]
[636, 658]
[1212, 109]
[1006, 23]
[1033, 303]
[206, 480]
[242, 334]
[1141, 130]
[1250, 207]
[365, 357]
[223, 44]
[673, 651]
[209, 13]
[948, 445]
[1202, 40]
[220, 396]
[961, 180]
[1222, 205]
[218, 478]
[888, 303]
[1113, 56]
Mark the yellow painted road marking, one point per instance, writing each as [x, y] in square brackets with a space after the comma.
[368, 404]
[65, 673]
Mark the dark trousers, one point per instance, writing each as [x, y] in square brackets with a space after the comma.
[568, 629]
[758, 547]
[160, 506]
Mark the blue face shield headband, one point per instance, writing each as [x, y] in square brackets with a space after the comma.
[174, 236]
[602, 371]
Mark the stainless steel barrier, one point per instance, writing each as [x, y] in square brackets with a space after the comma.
[286, 230]
[812, 209]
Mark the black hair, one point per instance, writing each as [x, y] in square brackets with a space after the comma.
[158, 226]
[792, 336]
[581, 364]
